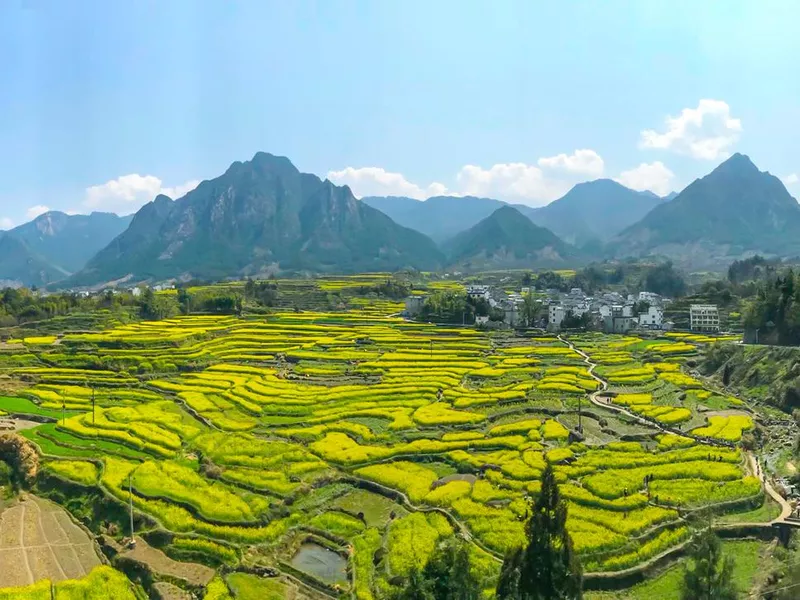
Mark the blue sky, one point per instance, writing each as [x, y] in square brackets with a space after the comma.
[103, 104]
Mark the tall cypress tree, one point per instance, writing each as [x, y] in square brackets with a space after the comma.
[447, 576]
[450, 575]
[708, 574]
[547, 568]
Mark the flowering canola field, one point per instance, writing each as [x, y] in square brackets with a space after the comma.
[373, 437]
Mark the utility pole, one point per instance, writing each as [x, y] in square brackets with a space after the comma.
[92, 405]
[580, 420]
[431, 348]
[63, 411]
[130, 499]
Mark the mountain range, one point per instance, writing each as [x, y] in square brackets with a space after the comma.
[591, 211]
[594, 211]
[55, 245]
[734, 211]
[260, 216]
[508, 239]
[439, 217]
[264, 216]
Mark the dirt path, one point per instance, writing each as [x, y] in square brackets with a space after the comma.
[593, 397]
[786, 508]
[31, 578]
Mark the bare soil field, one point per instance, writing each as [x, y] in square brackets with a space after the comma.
[161, 564]
[38, 540]
[10, 425]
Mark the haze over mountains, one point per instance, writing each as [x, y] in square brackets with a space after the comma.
[734, 210]
[592, 211]
[264, 216]
[55, 245]
[508, 239]
[439, 217]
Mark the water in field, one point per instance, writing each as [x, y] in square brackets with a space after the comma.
[321, 563]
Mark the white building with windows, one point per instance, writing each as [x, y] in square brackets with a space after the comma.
[652, 319]
[704, 317]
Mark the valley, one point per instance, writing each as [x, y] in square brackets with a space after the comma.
[316, 453]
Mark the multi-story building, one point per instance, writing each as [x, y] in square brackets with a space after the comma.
[619, 320]
[652, 319]
[704, 317]
[555, 315]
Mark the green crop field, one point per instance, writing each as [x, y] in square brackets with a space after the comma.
[366, 440]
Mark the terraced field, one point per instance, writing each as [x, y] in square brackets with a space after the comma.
[39, 541]
[362, 440]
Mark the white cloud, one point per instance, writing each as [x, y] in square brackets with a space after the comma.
[791, 179]
[512, 181]
[530, 184]
[126, 194]
[582, 162]
[6, 223]
[654, 177]
[705, 132]
[376, 181]
[35, 211]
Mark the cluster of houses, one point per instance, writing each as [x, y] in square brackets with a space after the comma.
[607, 311]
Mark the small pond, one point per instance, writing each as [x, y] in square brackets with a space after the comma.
[321, 563]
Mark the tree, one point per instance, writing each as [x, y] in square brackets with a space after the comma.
[417, 587]
[550, 279]
[663, 279]
[708, 576]
[450, 575]
[447, 576]
[573, 321]
[530, 310]
[547, 569]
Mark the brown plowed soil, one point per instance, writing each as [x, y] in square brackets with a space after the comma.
[38, 540]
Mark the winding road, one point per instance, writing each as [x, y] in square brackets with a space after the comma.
[786, 508]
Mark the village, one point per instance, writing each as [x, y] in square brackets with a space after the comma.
[554, 310]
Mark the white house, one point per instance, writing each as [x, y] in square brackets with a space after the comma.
[649, 297]
[652, 319]
[479, 291]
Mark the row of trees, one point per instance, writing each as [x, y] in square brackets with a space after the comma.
[207, 299]
[19, 306]
[456, 307]
[547, 567]
[661, 278]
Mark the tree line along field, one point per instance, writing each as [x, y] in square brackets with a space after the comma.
[340, 448]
